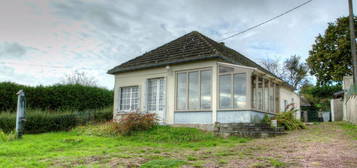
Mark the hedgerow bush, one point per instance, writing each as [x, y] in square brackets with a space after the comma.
[39, 121]
[56, 97]
[288, 120]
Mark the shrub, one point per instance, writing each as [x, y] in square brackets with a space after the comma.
[56, 97]
[39, 121]
[266, 120]
[136, 121]
[288, 121]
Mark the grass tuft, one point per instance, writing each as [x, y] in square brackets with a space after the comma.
[350, 129]
[6, 137]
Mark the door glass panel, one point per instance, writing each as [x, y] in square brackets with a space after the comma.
[161, 95]
[152, 93]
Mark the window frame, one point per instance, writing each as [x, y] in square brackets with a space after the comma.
[271, 91]
[198, 70]
[130, 98]
[231, 74]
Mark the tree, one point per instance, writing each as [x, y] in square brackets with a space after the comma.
[330, 57]
[274, 67]
[292, 71]
[296, 71]
[80, 78]
[319, 96]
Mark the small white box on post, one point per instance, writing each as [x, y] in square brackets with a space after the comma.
[20, 116]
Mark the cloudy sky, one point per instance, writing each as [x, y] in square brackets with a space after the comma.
[43, 40]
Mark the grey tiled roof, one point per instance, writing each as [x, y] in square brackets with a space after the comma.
[193, 46]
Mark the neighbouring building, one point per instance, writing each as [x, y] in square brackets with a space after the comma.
[336, 104]
[349, 100]
[196, 80]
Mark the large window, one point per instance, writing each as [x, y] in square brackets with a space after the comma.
[194, 90]
[129, 99]
[263, 94]
[232, 88]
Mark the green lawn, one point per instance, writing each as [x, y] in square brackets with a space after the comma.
[163, 146]
[66, 149]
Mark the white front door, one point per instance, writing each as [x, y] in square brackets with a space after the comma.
[156, 97]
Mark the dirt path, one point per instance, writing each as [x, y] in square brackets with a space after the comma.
[321, 146]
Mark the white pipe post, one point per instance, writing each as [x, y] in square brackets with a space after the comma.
[20, 116]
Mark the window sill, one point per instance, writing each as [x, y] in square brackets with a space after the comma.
[255, 110]
[201, 110]
[127, 111]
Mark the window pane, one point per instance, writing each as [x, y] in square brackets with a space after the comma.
[193, 92]
[271, 97]
[223, 69]
[254, 92]
[240, 88]
[206, 82]
[266, 95]
[129, 98]
[260, 94]
[181, 91]
[124, 98]
[225, 91]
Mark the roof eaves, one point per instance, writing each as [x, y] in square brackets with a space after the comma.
[147, 66]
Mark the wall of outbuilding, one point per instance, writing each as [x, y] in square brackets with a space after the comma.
[288, 95]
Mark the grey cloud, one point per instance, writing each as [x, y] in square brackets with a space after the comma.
[112, 32]
[12, 50]
[98, 14]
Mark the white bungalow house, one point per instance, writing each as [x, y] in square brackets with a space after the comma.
[196, 80]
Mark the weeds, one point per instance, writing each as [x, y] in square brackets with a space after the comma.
[288, 121]
[351, 129]
[6, 137]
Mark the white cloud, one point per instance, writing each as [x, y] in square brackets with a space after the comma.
[93, 36]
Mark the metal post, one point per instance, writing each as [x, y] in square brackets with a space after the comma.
[353, 42]
[20, 117]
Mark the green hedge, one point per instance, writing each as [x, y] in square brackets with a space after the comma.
[49, 122]
[56, 97]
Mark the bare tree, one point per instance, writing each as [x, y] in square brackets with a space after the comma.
[274, 67]
[292, 70]
[80, 78]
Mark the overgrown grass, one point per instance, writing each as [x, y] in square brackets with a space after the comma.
[351, 129]
[6, 137]
[78, 148]
[159, 135]
[164, 163]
